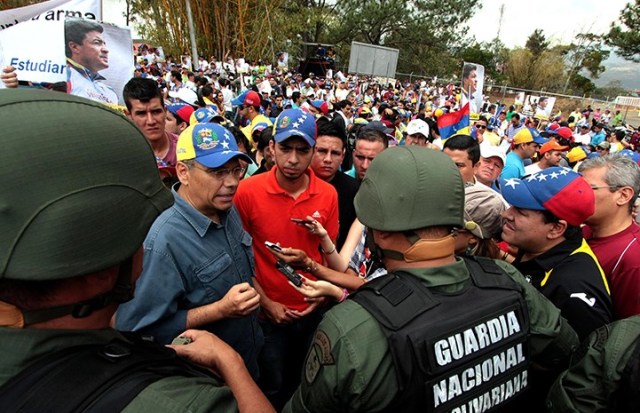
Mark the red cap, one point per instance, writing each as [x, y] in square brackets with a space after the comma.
[565, 133]
[252, 99]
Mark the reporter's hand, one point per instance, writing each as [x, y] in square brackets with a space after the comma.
[240, 300]
[294, 257]
[317, 302]
[316, 228]
[319, 288]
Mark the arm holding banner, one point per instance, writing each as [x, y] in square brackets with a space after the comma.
[9, 77]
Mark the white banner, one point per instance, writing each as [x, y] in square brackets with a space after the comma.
[52, 10]
[37, 50]
[472, 86]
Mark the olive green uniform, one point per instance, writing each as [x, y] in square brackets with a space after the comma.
[20, 347]
[349, 366]
[596, 371]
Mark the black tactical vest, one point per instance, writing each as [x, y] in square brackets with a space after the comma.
[464, 352]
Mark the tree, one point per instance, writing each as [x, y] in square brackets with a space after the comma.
[537, 43]
[586, 55]
[239, 28]
[611, 90]
[526, 71]
[427, 32]
[625, 36]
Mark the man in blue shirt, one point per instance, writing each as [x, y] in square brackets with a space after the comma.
[598, 135]
[524, 146]
[198, 260]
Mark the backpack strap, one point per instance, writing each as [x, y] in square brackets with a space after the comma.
[394, 301]
[485, 273]
[93, 378]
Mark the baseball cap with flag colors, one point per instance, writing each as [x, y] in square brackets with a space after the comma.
[526, 135]
[295, 122]
[560, 191]
[208, 143]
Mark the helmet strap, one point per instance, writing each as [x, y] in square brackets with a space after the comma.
[122, 291]
[423, 249]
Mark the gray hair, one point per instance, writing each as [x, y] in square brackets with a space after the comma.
[621, 171]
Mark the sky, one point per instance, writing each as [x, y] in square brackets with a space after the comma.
[560, 21]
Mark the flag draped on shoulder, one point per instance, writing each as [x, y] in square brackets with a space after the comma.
[451, 123]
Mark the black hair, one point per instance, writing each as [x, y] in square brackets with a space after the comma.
[142, 89]
[464, 143]
[372, 135]
[467, 69]
[549, 218]
[328, 128]
[241, 139]
[75, 31]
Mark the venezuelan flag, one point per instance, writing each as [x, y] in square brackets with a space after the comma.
[450, 123]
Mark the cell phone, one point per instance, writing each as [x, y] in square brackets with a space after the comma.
[289, 272]
[300, 221]
[181, 340]
[273, 246]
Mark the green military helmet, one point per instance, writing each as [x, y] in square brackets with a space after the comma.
[410, 187]
[80, 186]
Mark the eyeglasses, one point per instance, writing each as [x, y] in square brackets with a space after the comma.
[481, 127]
[222, 174]
[594, 187]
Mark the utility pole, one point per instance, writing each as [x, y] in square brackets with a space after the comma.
[500, 21]
[195, 61]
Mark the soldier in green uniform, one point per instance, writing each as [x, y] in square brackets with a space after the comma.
[605, 375]
[81, 191]
[438, 333]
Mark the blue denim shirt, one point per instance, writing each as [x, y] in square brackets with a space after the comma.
[190, 261]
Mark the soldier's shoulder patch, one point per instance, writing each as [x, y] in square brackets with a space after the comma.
[319, 355]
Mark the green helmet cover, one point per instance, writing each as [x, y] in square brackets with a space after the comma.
[410, 187]
[80, 190]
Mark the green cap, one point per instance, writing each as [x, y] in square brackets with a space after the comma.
[410, 187]
[80, 190]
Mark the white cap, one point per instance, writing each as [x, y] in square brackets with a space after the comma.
[490, 151]
[186, 95]
[418, 126]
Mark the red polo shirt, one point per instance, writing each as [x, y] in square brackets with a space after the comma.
[266, 211]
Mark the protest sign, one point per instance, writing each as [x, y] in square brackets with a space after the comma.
[472, 84]
[52, 11]
[37, 50]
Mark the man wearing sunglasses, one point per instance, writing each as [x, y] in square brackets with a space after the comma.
[198, 261]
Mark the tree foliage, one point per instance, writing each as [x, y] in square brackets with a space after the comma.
[537, 43]
[240, 28]
[525, 70]
[611, 90]
[625, 35]
[429, 33]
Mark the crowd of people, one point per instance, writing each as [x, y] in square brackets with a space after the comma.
[318, 244]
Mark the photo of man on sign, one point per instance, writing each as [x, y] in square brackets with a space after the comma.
[87, 54]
